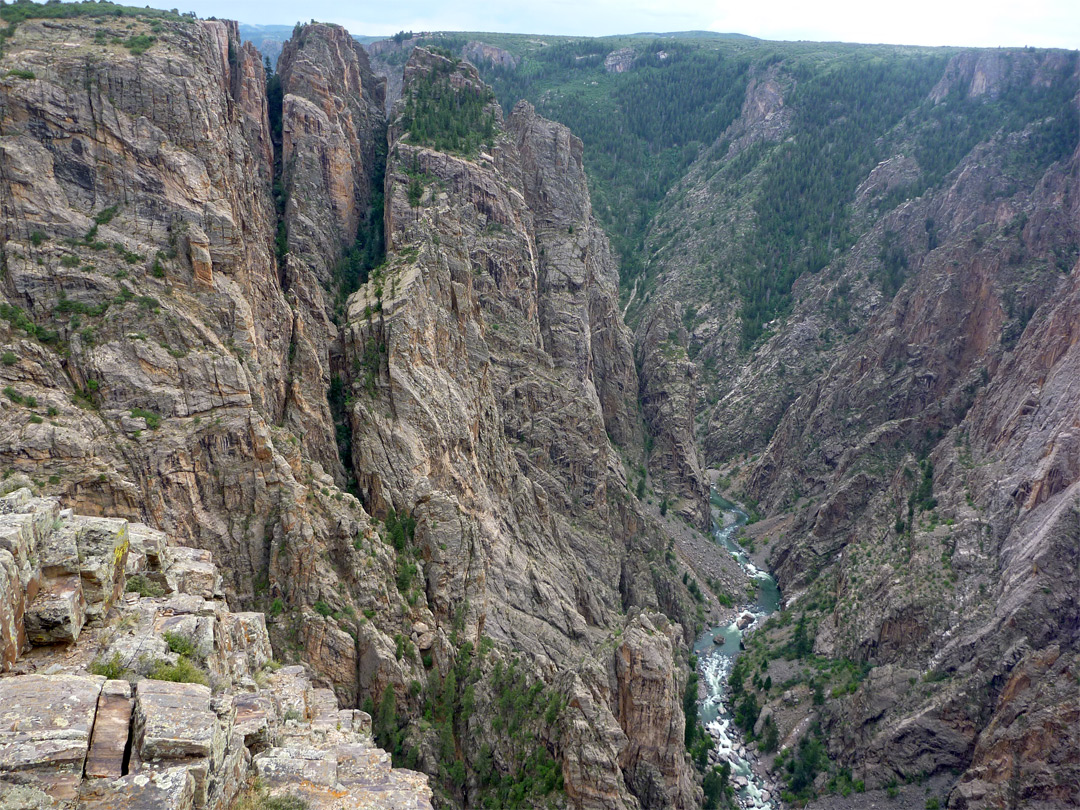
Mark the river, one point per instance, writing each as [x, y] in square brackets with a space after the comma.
[716, 659]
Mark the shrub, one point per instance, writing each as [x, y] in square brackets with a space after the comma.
[103, 217]
[277, 607]
[153, 420]
[322, 608]
[9, 358]
[111, 669]
[257, 798]
[138, 583]
[140, 44]
[183, 671]
[180, 644]
[37, 237]
[21, 74]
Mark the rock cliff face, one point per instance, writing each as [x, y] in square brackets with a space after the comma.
[491, 367]
[169, 341]
[333, 131]
[143, 307]
[915, 463]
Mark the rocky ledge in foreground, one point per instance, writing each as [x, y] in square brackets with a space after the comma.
[129, 684]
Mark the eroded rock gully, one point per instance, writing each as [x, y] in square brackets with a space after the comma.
[172, 364]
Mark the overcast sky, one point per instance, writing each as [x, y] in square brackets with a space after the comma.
[989, 23]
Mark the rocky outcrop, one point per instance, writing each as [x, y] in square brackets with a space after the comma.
[524, 527]
[668, 396]
[147, 333]
[619, 61]
[332, 122]
[169, 699]
[480, 53]
[333, 134]
[647, 696]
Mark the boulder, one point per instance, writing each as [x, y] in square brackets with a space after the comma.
[103, 548]
[57, 614]
[174, 721]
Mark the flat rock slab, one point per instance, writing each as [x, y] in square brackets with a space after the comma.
[45, 724]
[168, 789]
[112, 727]
[363, 766]
[174, 721]
[24, 797]
[281, 767]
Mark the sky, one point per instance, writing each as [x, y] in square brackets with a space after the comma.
[982, 23]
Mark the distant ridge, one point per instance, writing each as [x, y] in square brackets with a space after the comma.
[691, 35]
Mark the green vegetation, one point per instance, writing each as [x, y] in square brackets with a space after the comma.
[153, 420]
[641, 129]
[21, 74]
[802, 212]
[9, 358]
[257, 797]
[800, 766]
[140, 584]
[111, 669]
[400, 530]
[183, 671]
[139, 44]
[180, 643]
[850, 107]
[449, 118]
[20, 10]
[695, 737]
[718, 790]
[516, 766]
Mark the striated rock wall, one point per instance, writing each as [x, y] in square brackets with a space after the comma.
[480, 409]
[149, 334]
[169, 366]
[137, 229]
[333, 134]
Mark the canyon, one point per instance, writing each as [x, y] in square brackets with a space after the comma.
[352, 338]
